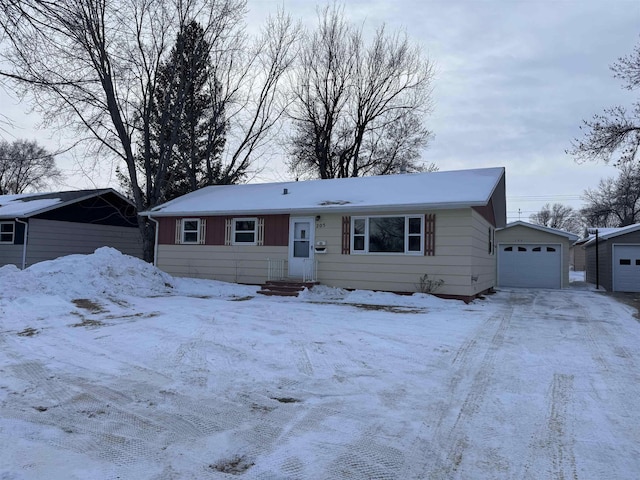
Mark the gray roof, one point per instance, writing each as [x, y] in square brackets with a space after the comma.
[27, 205]
[571, 236]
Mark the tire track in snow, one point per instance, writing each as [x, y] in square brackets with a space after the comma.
[441, 456]
[551, 448]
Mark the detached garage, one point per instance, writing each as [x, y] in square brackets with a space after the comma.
[532, 256]
[616, 266]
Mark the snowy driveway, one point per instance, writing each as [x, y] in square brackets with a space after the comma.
[523, 385]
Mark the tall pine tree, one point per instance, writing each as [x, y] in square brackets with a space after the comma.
[188, 117]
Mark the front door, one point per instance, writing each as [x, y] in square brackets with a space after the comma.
[301, 233]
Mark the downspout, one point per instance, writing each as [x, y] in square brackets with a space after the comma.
[24, 244]
[155, 241]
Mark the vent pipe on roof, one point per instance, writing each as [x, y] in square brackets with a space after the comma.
[285, 191]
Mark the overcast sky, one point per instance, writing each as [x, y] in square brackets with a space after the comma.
[514, 81]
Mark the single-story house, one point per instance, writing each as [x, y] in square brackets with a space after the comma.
[613, 258]
[533, 256]
[43, 226]
[375, 233]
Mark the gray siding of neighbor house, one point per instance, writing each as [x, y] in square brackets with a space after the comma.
[11, 255]
[461, 255]
[49, 239]
[523, 234]
[605, 257]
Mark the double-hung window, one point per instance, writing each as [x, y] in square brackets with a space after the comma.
[388, 234]
[190, 230]
[7, 232]
[245, 231]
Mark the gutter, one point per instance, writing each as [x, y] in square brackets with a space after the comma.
[24, 244]
[155, 241]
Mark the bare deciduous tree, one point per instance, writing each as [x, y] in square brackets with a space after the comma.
[93, 65]
[24, 165]
[616, 201]
[558, 216]
[358, 108]
[614, 134]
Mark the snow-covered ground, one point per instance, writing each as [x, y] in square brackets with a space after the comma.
[111, 369]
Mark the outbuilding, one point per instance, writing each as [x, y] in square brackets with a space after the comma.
[533, 256]
[613, 258]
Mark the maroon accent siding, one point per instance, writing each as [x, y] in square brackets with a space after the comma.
[167, 230]
[346, 235]
[215, 231]
[430, 234]
[276, 230]
[487, 212]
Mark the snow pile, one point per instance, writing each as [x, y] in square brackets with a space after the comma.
[105, 273]
[322, 293]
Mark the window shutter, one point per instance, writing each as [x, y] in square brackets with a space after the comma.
[260, 239]
[430, 234]
[203, 230]
[346, 235]
[227, 231]
[178, 231]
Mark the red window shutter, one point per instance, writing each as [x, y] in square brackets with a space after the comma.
[430, 234]
[346, 235]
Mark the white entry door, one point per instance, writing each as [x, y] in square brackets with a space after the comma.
[301, 233]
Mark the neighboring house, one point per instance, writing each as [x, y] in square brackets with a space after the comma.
[613, 258]
[533, 256]
[375, 233]
[43, 226]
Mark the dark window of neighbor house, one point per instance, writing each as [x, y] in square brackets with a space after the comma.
[625, 261]
[388, 234]
[7, 232]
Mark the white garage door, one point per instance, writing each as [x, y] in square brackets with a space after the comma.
[531, 266]
[626, 268]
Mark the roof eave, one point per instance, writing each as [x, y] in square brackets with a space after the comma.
[320, 209]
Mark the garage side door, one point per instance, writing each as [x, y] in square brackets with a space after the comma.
[626, 268]
[530, 266]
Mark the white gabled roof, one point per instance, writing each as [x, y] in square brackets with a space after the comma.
[462, 188]
[607, 233]
[571, 236]
[26, 205]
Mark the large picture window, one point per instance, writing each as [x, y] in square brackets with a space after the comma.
[7, 232]
[245, 231]
[388, 234]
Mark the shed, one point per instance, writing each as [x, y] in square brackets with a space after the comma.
[376, 233]
[43, 226]
[533, 256]
[613, 258]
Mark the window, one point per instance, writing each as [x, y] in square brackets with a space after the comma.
[7, 232]
[522, 249]
[508, 249]
[551, 249]
[389, 234]
[190, 230]
[244, 231]
[536, 249]
[625, 261]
